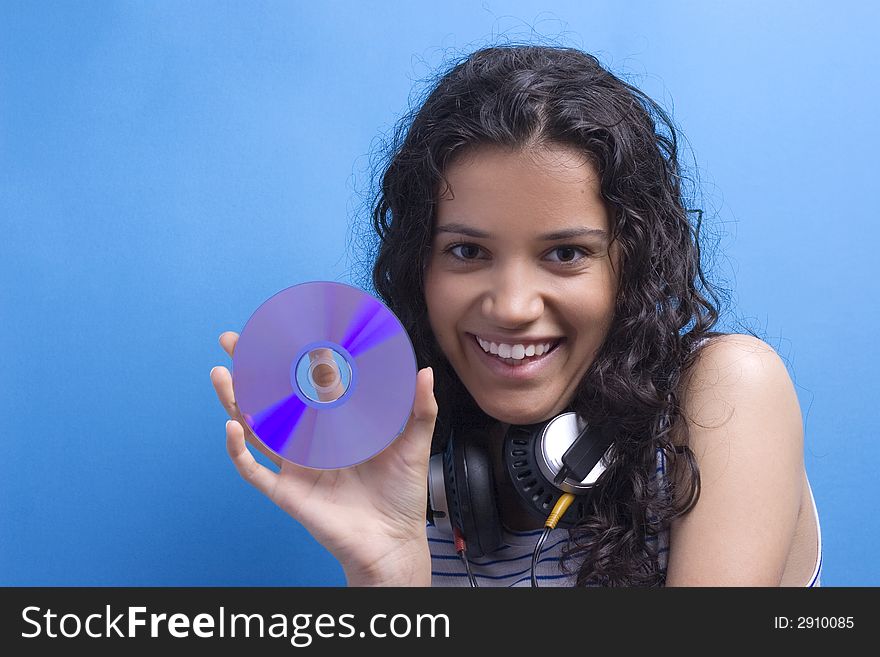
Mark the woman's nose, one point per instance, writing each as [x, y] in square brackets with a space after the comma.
[513, 299]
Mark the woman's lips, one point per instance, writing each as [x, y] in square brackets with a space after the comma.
[530, 366]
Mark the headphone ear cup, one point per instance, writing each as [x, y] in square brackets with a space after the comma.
[535, 489]
[471, 494]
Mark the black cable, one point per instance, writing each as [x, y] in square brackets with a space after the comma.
[461, 549]
[467, 568]
[537, 553]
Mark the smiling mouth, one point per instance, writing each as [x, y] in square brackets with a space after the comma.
[547, 348]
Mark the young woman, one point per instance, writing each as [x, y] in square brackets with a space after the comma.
[535, 242]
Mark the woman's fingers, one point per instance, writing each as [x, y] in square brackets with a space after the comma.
[420, 426]
[223, 385]
[261, 477]
[228, 340]
[222, 381]
[425, 405]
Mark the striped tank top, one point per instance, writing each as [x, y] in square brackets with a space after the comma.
[511, 564]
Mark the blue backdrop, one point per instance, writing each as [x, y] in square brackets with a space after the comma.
[165, 167]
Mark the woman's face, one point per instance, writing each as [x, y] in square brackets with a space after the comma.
[520, 264]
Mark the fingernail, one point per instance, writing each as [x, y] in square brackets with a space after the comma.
[212, 370]
[227, 423]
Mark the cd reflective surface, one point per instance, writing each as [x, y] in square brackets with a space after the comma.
[324, 374]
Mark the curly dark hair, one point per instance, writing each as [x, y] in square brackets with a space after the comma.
[526, 95]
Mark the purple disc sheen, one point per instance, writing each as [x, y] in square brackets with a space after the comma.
[379, 391]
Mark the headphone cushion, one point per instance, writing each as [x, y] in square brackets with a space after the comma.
[472, 495]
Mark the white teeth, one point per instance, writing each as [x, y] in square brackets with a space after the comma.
[514, 351]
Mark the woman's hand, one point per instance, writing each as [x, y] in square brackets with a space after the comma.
[371, 516]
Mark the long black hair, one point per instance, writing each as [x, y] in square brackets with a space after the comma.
[522, 95]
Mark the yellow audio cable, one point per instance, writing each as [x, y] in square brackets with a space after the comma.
[558, 511]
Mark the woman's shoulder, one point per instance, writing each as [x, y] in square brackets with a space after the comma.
[733, 342]
[734, 378]
[736, 363]
[745, 429]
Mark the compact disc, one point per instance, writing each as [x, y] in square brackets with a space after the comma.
[324, 374]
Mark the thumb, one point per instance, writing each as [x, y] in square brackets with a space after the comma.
[425, 406]
[420, 428]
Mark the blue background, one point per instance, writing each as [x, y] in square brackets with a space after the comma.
[165, 167]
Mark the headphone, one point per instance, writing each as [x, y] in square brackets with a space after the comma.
[543, 461]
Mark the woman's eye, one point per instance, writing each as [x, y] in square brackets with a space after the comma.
[464, 251]
[566, 254]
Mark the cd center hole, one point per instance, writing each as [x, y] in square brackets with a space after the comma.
[322, 374]
[325, 375]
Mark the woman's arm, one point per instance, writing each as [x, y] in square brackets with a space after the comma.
[746, 433]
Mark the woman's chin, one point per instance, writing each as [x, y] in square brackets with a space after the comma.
[519, 416]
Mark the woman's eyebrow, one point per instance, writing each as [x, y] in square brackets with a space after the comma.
[568, 233]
